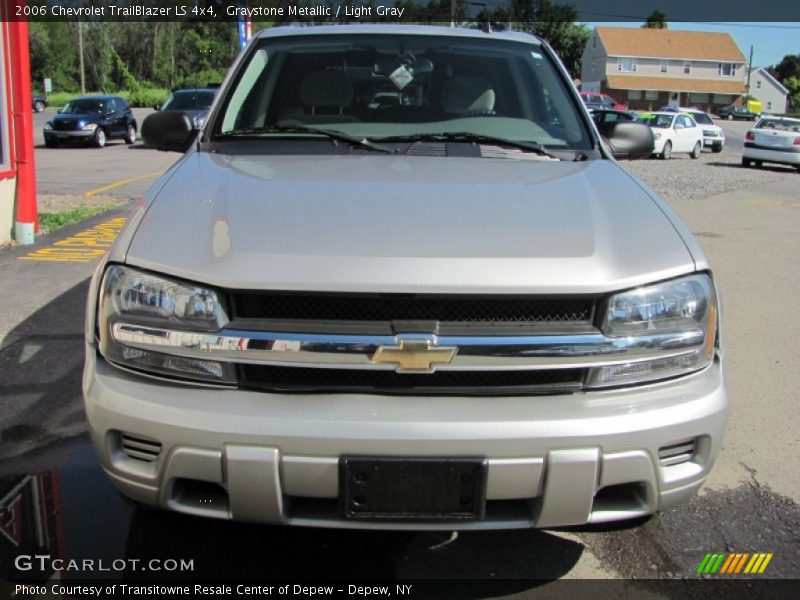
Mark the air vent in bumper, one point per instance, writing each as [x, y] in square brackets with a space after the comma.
[140, 448]
[676, 454]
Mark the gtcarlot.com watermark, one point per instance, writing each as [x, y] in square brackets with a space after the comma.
[45, 563]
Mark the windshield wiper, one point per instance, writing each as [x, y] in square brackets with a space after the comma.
[478, 138]
[332, 134]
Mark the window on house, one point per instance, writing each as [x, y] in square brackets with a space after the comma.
[634, 94]
[651, 95]
[698, 98]
[687, 67]
[722, 99]
[626, 65]
[769, 105]
[664, 66]
[758, 84]
[726, 69]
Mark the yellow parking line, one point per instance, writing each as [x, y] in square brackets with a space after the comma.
[120, 183]
[88, 245]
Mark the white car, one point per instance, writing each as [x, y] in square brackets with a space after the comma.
[713, 136]
[674, 132]
[774, 140]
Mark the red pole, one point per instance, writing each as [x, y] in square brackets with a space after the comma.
[26, 224]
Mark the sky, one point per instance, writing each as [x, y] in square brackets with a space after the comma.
[771, 41]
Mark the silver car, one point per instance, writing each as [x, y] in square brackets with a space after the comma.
[452, 311]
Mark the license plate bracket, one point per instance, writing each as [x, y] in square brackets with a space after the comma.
[422, 489]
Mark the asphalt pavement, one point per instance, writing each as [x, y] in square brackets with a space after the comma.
[749, 504]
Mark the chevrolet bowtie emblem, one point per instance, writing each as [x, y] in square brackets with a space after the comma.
[414, 356]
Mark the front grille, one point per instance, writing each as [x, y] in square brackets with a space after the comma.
[414, 307]
[65, 125]
[303, 379]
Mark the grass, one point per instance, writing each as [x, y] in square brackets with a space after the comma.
[49, 222]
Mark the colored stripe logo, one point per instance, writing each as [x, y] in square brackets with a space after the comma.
[734, 563]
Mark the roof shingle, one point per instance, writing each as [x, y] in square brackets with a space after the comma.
[669, 43]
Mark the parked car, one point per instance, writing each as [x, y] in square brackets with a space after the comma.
[92, 120]
[597, 100]
[713, 135]
[457, 312]
[39, 102]
[736, 112]
[193, 102]
[674, 132]
[773, 140]
[608, 115]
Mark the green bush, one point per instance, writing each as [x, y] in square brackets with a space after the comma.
[143, 97]
[201, 79]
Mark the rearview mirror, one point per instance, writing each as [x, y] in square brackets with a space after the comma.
[628, 139]
[168, 131]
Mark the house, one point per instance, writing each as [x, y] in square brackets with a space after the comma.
[650, 68]
[772, 94]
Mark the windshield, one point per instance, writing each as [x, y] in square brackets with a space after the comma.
[702, 118]
[189, 100]
[84, 107]
[403, 86]
[659, 121]
[781, 124]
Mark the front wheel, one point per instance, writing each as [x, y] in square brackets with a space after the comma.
[100, 138]
[38, 106]
[717, 148]
[729, 117]
[51, 143]
[696, 150]
[130, 136]
[667, 152]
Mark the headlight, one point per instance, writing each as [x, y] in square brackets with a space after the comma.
[89, 127]
[137, 299]
[657, 135]
[48, 126]
[686, 307]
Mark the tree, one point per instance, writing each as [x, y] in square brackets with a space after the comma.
[793, 85]
[656, 20]
[788, 67]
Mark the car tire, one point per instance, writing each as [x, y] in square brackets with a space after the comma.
[716, 148]
[698, 147]
[729, 117]
[51, 143]
[746, 163]
[667, 151]
[39, 106]
[100, 138]
[130, 136]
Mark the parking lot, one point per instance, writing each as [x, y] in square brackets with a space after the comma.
[747, 221]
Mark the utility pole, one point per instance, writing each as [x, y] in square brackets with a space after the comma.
[452, 13]
[80, 58]
[749, 70]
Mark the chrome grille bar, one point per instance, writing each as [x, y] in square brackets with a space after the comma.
[356, 351]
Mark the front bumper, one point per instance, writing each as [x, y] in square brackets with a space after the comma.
[52, 134]
[274, 458]
[710, 142]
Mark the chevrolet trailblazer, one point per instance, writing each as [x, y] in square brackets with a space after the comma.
[452, 309]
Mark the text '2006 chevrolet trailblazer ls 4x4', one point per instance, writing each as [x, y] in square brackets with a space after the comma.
[398, 280]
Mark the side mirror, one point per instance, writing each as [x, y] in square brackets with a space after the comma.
[628, 139]
[168, 131]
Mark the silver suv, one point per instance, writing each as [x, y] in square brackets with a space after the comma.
[399, 281]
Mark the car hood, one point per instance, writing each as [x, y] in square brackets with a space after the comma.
[392, 224]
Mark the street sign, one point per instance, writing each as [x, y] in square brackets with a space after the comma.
[48, 85]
